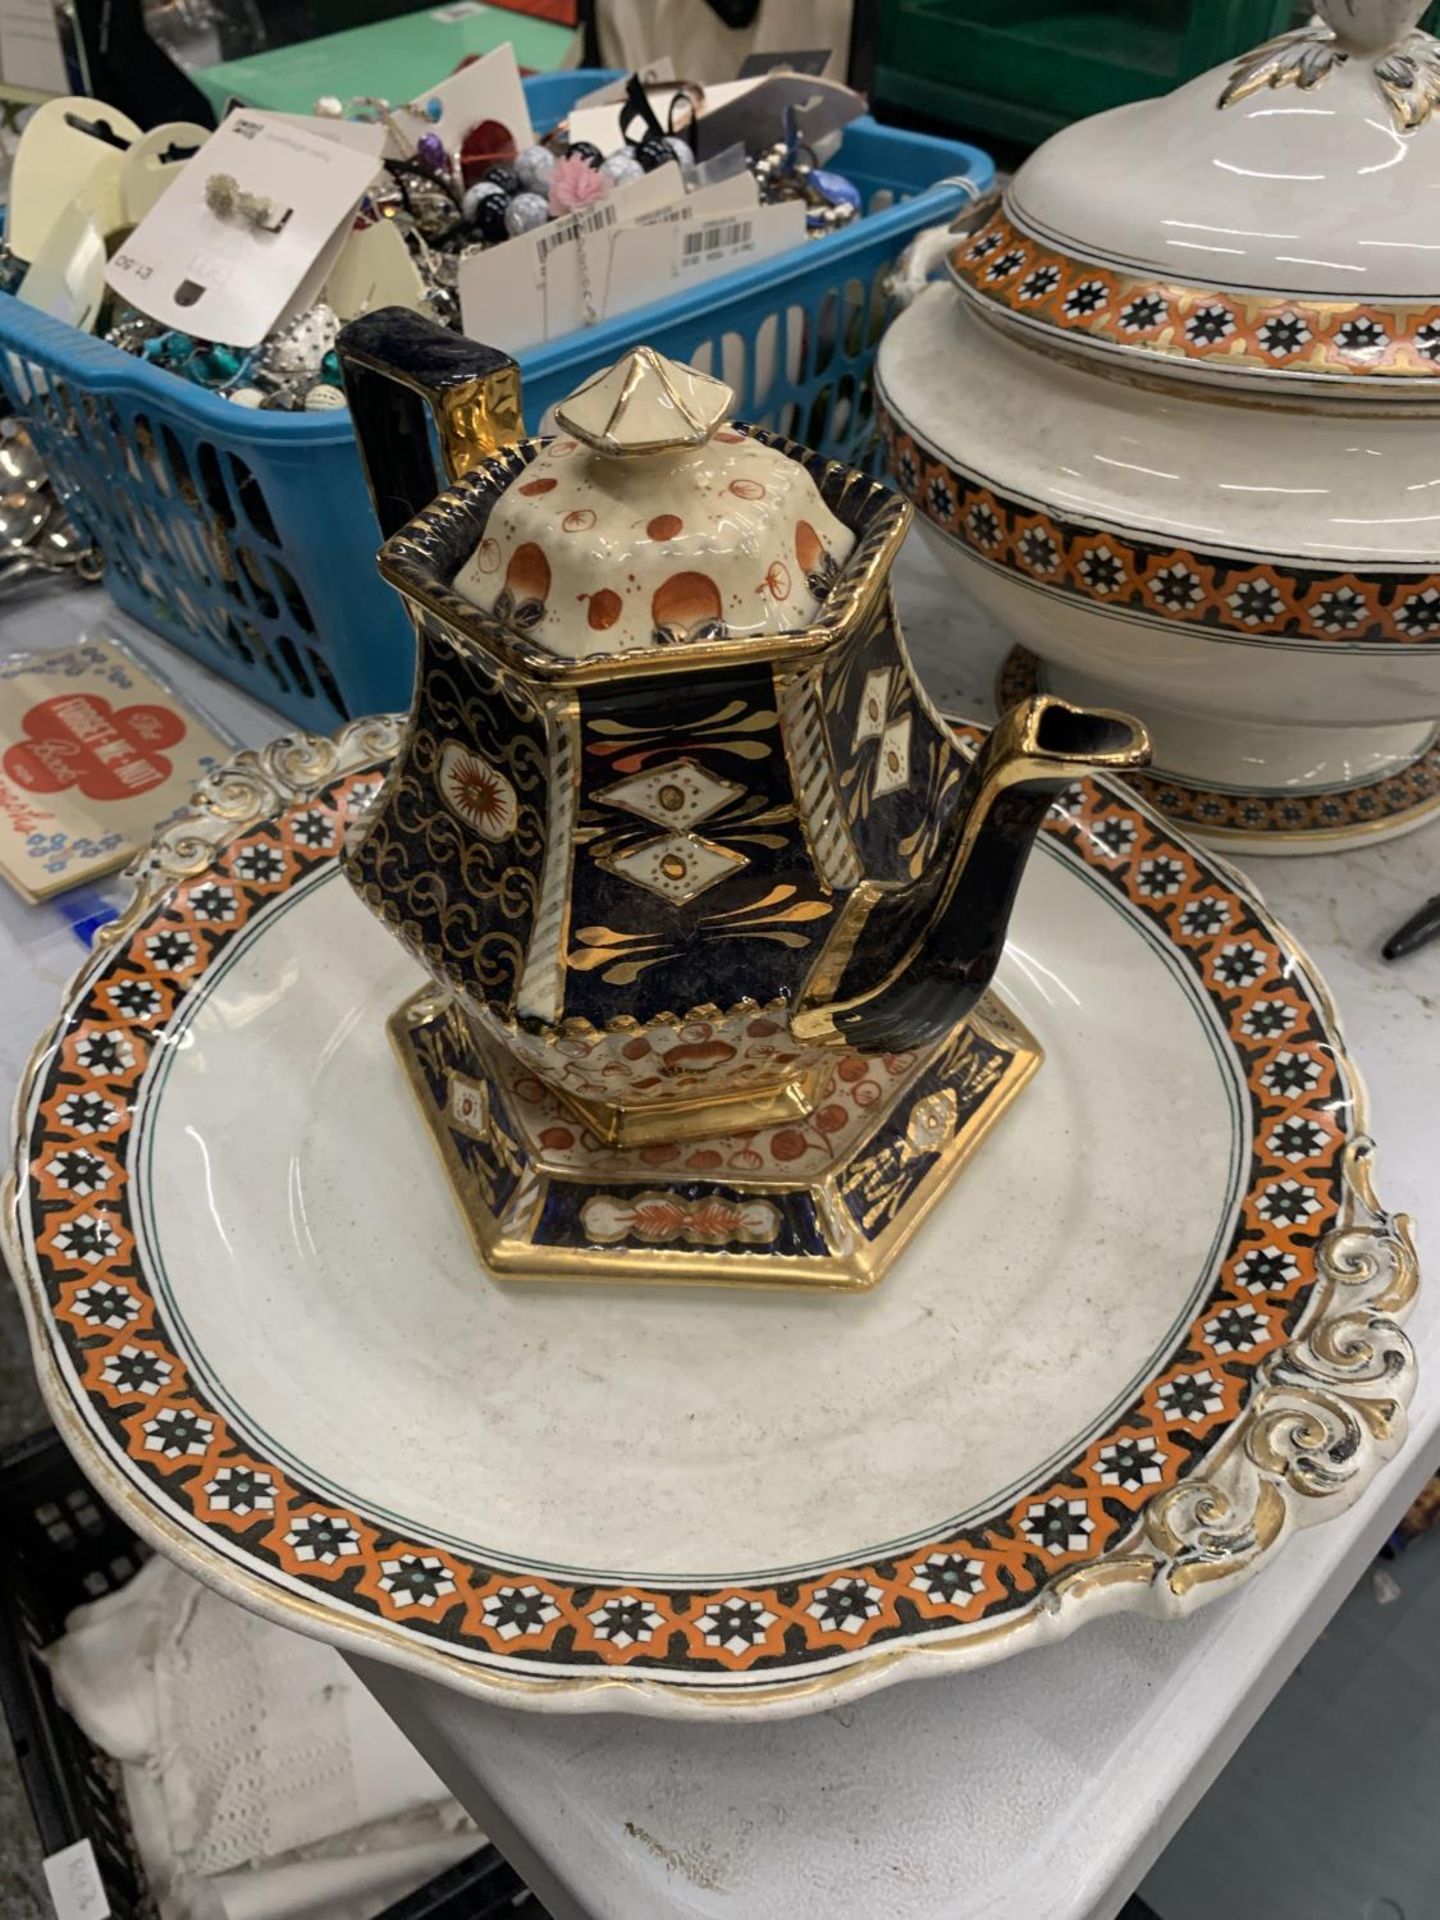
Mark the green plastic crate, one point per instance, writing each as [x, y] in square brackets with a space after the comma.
[1017, 70]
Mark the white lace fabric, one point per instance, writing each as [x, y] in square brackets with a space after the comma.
[261, 1779]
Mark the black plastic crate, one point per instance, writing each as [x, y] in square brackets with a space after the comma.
[67, 1547]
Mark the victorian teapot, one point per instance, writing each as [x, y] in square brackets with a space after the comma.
[709, 892]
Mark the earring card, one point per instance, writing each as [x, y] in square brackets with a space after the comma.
[224, 262]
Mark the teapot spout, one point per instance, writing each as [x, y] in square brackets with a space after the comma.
[1034, 752]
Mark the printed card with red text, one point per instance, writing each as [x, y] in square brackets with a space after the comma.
[94, 753]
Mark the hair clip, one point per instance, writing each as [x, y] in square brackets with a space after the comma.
[686, 104]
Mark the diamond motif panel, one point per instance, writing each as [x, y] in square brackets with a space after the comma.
[679, 866]
[677, 795]
[874, 703]
[892, 763]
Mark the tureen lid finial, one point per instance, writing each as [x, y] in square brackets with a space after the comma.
[1370, 26]
[644, 404]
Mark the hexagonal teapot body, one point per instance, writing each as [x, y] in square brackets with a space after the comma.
[632, 868]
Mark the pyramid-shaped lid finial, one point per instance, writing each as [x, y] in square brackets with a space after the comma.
[644, 404]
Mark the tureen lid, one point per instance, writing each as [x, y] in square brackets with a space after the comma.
[1275, 216]
[649, 520]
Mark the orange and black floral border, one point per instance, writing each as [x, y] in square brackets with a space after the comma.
[1415, 791]
[132, 1374]
[1001, 265]
[1222, 593]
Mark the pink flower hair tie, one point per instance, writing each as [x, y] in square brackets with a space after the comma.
[574, 183]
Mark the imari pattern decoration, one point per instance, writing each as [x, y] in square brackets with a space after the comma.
[1233, 596]
[680, 840]
[578, 849]
[1003, 266]
[1217, 815]
[824, 1197]
[1274, 1405]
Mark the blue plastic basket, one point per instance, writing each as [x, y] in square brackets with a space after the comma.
[247, 538]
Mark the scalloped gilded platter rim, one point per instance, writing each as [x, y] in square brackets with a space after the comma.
[1293, 1428]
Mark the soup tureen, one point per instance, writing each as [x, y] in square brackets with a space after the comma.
[688, 853]
[1173, 422]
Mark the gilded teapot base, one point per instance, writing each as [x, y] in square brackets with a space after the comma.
[740, 1110]
[824, 1199]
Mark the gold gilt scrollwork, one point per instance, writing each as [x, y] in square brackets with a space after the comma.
[248, 788]
[1325, 1412]
[462, 902]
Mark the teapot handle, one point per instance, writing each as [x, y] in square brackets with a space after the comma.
[402, 372]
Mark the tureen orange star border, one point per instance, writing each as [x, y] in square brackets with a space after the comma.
[1236, 596]
[1001, 265]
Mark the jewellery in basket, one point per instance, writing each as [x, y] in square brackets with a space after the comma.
[790, 171]
[645, 140]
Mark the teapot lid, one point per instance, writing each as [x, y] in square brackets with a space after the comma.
[1274, 217]
[650, 520]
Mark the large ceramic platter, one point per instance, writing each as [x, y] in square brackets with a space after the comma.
[1152, 1328]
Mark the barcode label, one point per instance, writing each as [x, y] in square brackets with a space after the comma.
[721, 236]
[564, 231]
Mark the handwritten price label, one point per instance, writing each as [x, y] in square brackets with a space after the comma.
[75, 1885]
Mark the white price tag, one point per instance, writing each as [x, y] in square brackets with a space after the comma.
[75, 1885]
[649, 261]
[728, 240]
[737, 195]
[548, 282]
[229, 272]
[719, 245]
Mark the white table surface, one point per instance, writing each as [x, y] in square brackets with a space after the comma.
[1040, 1789]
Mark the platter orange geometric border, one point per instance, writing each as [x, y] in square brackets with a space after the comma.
[1222, 593]
[140, 1390]
[1003, 266]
